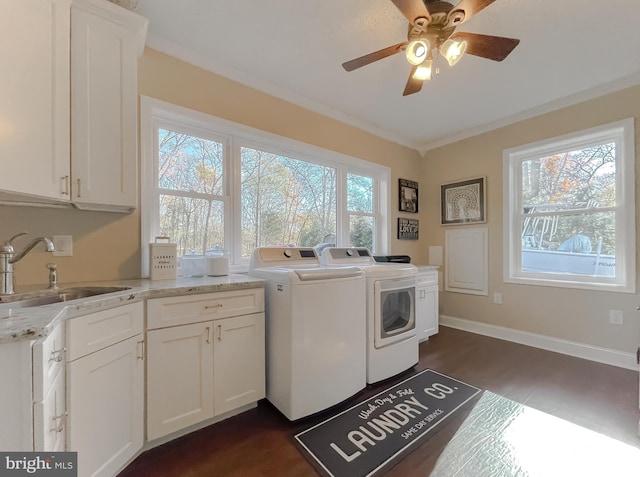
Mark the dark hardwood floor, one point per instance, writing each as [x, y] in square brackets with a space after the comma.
[260, 441]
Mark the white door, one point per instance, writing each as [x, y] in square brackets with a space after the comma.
[34, 104]
[104, 110]
[427, 311]
[179, 377]
[239, 361]
[467, 261]
[105, 393]
[49, 419]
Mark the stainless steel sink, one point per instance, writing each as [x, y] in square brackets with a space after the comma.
[47, 297]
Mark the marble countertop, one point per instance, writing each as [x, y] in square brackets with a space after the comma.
[18, 324]
[426, 268]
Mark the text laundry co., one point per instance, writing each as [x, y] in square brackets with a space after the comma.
[384, 424]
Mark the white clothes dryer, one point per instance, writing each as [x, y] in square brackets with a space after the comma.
[392, 341]
[315, 330]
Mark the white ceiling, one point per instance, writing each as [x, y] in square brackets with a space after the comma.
[570, 50]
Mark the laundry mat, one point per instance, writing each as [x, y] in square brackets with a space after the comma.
[365, 438]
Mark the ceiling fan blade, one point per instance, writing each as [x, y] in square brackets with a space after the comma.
[495, 48]
[413, 85]
[412, 9]
[471, 7]
[375, 56]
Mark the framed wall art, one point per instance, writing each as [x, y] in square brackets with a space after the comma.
[463, 202]
[408, 195]
[407, 229]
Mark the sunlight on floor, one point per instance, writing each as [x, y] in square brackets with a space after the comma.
[502, 438]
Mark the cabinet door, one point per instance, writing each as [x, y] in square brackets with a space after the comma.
[239, 361]
[49, 419]
[34, 104]
[103, 108]
[182, 310]
[95, 331]
[426, 311]
[432, 312]
[105, 407]
[179, 377]
[48, 362]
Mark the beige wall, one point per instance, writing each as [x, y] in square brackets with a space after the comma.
[168, 79]
[574, 315]
[107, 245]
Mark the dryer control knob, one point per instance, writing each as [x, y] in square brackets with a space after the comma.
[350, 253]
[287, 253]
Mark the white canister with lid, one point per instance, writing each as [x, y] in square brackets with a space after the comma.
[192, 265]
[217, 262]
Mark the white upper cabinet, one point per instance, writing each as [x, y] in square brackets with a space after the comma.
[34, 97]
[106, 41]
[68, 108]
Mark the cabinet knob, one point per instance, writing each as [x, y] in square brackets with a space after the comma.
[56, 355]
[140, 346]
[58, 423]
[65, 180]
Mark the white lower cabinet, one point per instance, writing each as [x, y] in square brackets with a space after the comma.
[427, 304]
[238, 362]
[196, 371]
[50, 419]
[201, 370]
[49, 408]
[82, 388]
[105, 389]
[179, 378]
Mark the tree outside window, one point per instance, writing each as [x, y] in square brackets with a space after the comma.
[208, 183]
[191, 187]
[285, 201]
[569, 205]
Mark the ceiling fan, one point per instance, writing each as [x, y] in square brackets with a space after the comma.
[432, 24]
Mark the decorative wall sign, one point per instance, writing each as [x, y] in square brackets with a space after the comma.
[408, 195]
[407, 229]
[463, 202]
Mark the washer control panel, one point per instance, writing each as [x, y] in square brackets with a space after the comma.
[273, 256]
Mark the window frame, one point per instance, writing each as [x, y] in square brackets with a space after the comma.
[346, 237]
[155, 113]
[620, 132]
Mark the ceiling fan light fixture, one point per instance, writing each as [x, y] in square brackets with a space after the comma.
[423, 71]
[453, 50]
[417, 51]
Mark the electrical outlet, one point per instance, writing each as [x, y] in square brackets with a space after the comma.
[497, 298]
[63, 245]
[616, 317]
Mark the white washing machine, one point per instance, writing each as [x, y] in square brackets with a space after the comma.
[315, 330]
[392, 341]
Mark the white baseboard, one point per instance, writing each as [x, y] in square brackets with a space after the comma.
[571, 348]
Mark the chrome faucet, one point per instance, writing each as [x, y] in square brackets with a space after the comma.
[8, 258]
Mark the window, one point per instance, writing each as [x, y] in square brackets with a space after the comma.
[212, 184]
[569, 210]
[361, 210]
[190, 191]
[285, 201]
